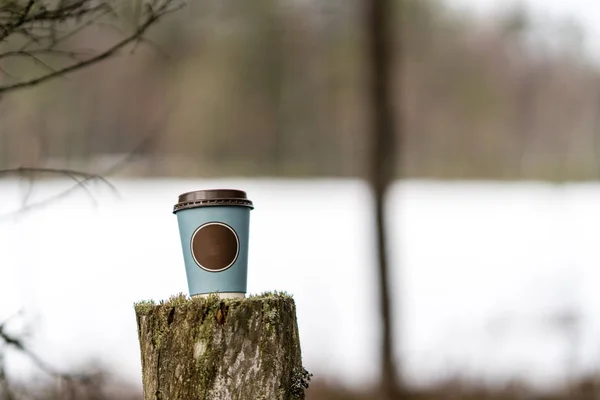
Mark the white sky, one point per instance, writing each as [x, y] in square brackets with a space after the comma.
[587, 12]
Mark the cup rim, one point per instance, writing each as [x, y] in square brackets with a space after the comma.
[212, 194]
[212, 197]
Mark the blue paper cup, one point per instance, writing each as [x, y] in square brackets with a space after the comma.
[214, 228]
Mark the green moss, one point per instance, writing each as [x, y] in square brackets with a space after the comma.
[270, 295]
[272, 317]
[204, 337]
[177, 299]
[144, 307]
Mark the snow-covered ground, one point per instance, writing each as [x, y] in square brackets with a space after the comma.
[480, 270]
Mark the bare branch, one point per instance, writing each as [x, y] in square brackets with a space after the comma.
[5, 72]
[152, 17]
[54, 171]
[6, 391]
[72, 12]
[82, 179]
[17, 343]
[39, 61]
[37, 26]
[6, 30]
[91, 21]
[31, 53]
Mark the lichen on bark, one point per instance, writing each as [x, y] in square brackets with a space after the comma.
[212, 348]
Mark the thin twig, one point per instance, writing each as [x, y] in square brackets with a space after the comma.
[55, 171]
[19, 22]
[5, 72]
[19, 345]
[81, 180]
[31, 53]
[92, 21]
[150, 20]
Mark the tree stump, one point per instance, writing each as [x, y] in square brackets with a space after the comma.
[221, 349]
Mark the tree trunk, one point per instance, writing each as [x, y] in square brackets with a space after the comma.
[212, 348]
[383, 163]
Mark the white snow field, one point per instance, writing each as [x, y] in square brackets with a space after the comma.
[480, 270]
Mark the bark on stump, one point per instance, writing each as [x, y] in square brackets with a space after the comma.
[212, 348]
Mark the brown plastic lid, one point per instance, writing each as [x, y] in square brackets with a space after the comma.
[212, 197]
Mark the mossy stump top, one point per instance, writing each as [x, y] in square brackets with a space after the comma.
[221, 349]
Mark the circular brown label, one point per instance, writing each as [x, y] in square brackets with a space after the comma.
[215, 246]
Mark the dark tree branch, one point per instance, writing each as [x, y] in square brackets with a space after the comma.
[6, 392]
[27, 21]
[7, 29]
[5, 72]
[18, 344]
[21, 171]
[37, 24]
[152, 15]
[82, 179]
[34, 53]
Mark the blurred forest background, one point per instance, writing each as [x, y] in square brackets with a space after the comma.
[278, 88]
[225, 84]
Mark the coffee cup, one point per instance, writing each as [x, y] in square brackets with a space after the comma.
[214, 231]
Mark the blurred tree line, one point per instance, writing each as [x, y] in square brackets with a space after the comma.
[277, 88]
